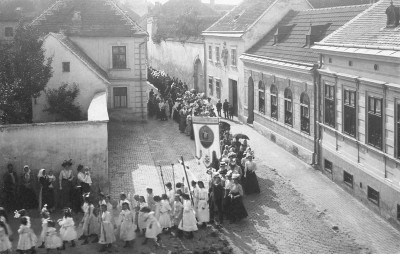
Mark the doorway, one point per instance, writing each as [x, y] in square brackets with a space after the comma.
[233, 96]
[250, 100]
[198, 76]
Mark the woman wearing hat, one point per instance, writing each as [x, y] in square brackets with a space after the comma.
[236, 208]
[28, 197]
[65, 178]
[251, 184]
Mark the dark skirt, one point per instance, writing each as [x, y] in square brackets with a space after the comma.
[28, 198]
[251, 184]
[48, 197]
[237, 209]
[182, 123]
[65, 193]
[226, 205]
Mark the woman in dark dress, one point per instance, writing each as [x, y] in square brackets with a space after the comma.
[251, 182]
[46, 194]
[237, 209]
[66, 184]
[27, 193]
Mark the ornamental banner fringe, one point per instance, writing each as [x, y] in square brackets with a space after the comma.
[206, 135]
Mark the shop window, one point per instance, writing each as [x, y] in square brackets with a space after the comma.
[218, 88]
[119, 57]
[328, 166]
[288, 107]
[210, 85]
[305, 113]
[274, 102]
[373, 196]
[330, 105]
[349, 112]
[375, 123]
[348, 179]
[120, 97]
[261, 97]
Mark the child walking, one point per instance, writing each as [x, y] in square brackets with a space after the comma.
[188, 222]
[157, 207]
[107, 236]
[127, 231]
[27, 238]
[90, 223]
[5, 244]
[178, 207]
[67, 230]
[52, 240]
[142, 218]
[153, 228]
[45, 217]
[165, 213]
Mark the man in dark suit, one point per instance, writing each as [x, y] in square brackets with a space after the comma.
[10, 188]
[216, 198]
[225, 107]
[219, 107]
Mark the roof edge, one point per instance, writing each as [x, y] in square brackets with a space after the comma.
[77, 56]
[278, 60]
[262, 15]
[226, 14]
[357, 46]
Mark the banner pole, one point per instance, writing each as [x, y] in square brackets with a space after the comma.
[187, 180]
[162, 177]
[173, 176]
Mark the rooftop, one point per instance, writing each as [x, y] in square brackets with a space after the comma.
[368, 30]
[292, 45]
[92, 18]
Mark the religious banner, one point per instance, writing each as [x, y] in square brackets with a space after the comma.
[206, 135]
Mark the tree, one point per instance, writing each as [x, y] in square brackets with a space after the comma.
[61, 103]
[24, 73]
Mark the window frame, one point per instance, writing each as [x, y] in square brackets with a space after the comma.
[348, 179]
[330, 99]
[120, 95]
[288, 107]
[210, 53]
[371, 192]
[64, 65]
[8, 31]
[115, 65]
[274, 102]
[217, 55]
[234, 57]
[350, 112]
[375, 119]
[305, 119]
[261, 91]
[218, 87]
[211, 85]
[328, 165]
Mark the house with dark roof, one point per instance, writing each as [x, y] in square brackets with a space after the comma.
[359, 93]
[97, 46]
[280, 70]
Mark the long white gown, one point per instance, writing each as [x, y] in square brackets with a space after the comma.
[165, 214]
[128, 227]
[107, 235]
[188, 222]
[203, 211]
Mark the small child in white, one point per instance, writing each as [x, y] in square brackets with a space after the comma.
[5, 244]
[107, 236]
[128, 225]
[67, 230]
[45, 217]
[52, 240]
[153, 228]
[27, 238]
[157, 206]
[90, 223]
[165, 213]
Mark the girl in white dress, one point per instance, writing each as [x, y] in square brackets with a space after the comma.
[5, 244]
[127, 231]
[188, 222]
[52, 240]
[203, 211]
[4, 220]
[107, 236]
[170, 194]
[178, 208]
[67, 230]
[45, 217]
[90, 222]
[165, 213]
[157, 207]
[142, 218]
[27, 238]
[153, 229]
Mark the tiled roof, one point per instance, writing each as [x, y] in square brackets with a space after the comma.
[102, 18]
[335, 3]
[292, 47]
[242, 16]
[369, 29]
[75, 49]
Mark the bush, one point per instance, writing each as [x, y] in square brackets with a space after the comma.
[61, 103]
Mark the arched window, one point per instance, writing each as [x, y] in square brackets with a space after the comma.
[261, 97]
[305, 113]
[288, 107]
[274, 102]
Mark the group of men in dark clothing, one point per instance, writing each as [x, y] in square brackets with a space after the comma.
[227, 108]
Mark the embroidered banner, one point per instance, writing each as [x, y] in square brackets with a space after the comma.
[206, 133]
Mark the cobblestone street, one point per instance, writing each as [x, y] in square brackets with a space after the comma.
[282, 219]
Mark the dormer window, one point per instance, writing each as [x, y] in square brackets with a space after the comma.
[316, 33]
[393, 16]
[281, 33]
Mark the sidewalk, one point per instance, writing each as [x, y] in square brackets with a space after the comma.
[338, 206]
